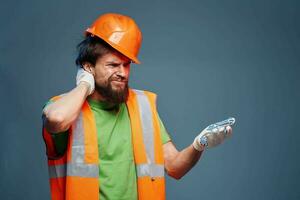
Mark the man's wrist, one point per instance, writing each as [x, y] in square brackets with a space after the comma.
[86, 86]
[197, 146]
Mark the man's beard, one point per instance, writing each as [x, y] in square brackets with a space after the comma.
[114, 96]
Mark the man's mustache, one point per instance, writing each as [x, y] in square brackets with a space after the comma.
[120, 79]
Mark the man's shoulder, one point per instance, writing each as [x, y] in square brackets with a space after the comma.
[142, 91]
[151, 96]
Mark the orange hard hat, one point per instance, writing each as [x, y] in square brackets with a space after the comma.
[119, 31]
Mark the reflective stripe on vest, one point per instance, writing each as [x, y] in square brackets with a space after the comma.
[77, 165]
[74, 169]
[150, 169]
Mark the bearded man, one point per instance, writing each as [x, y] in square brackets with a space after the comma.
[105, 140]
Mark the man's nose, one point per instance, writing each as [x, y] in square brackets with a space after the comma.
[122, 71]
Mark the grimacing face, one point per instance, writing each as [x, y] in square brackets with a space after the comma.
[111, 74]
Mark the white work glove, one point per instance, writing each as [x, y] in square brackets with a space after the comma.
[214, 134]
[84, 76]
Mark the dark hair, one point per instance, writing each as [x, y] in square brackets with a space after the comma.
[90, 49]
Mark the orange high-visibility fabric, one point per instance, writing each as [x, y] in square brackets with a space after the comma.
[136, 130]
[151, 189]
[148, 189]
[76, 187]
[82, 188]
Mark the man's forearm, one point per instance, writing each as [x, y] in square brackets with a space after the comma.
[59, 115]
[177, 163]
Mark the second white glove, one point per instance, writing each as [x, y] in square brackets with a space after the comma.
[87, 77]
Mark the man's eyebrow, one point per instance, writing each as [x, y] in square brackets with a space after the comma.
[128, 62]
[117, 63]
[112, 62]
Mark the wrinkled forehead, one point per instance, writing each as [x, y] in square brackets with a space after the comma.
[115, 57]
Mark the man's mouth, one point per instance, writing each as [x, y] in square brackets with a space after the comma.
[117, 82]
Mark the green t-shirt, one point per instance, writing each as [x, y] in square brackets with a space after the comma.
[117, 173]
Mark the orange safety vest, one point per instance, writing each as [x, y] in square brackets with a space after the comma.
[75, 176]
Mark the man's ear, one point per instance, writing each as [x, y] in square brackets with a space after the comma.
[88, 67]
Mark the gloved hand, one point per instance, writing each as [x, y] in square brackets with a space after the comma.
[85, 76]
[214, 134]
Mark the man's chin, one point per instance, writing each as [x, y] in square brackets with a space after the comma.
[118, 89]
[119, 96]
[115, 95]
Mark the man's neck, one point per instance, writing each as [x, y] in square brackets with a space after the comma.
[96, 96]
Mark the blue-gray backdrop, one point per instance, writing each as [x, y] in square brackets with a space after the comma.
[206, 59]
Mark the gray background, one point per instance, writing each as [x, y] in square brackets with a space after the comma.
[206, 59]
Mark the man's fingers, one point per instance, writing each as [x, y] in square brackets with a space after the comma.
[215, 134]
[228, 131]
